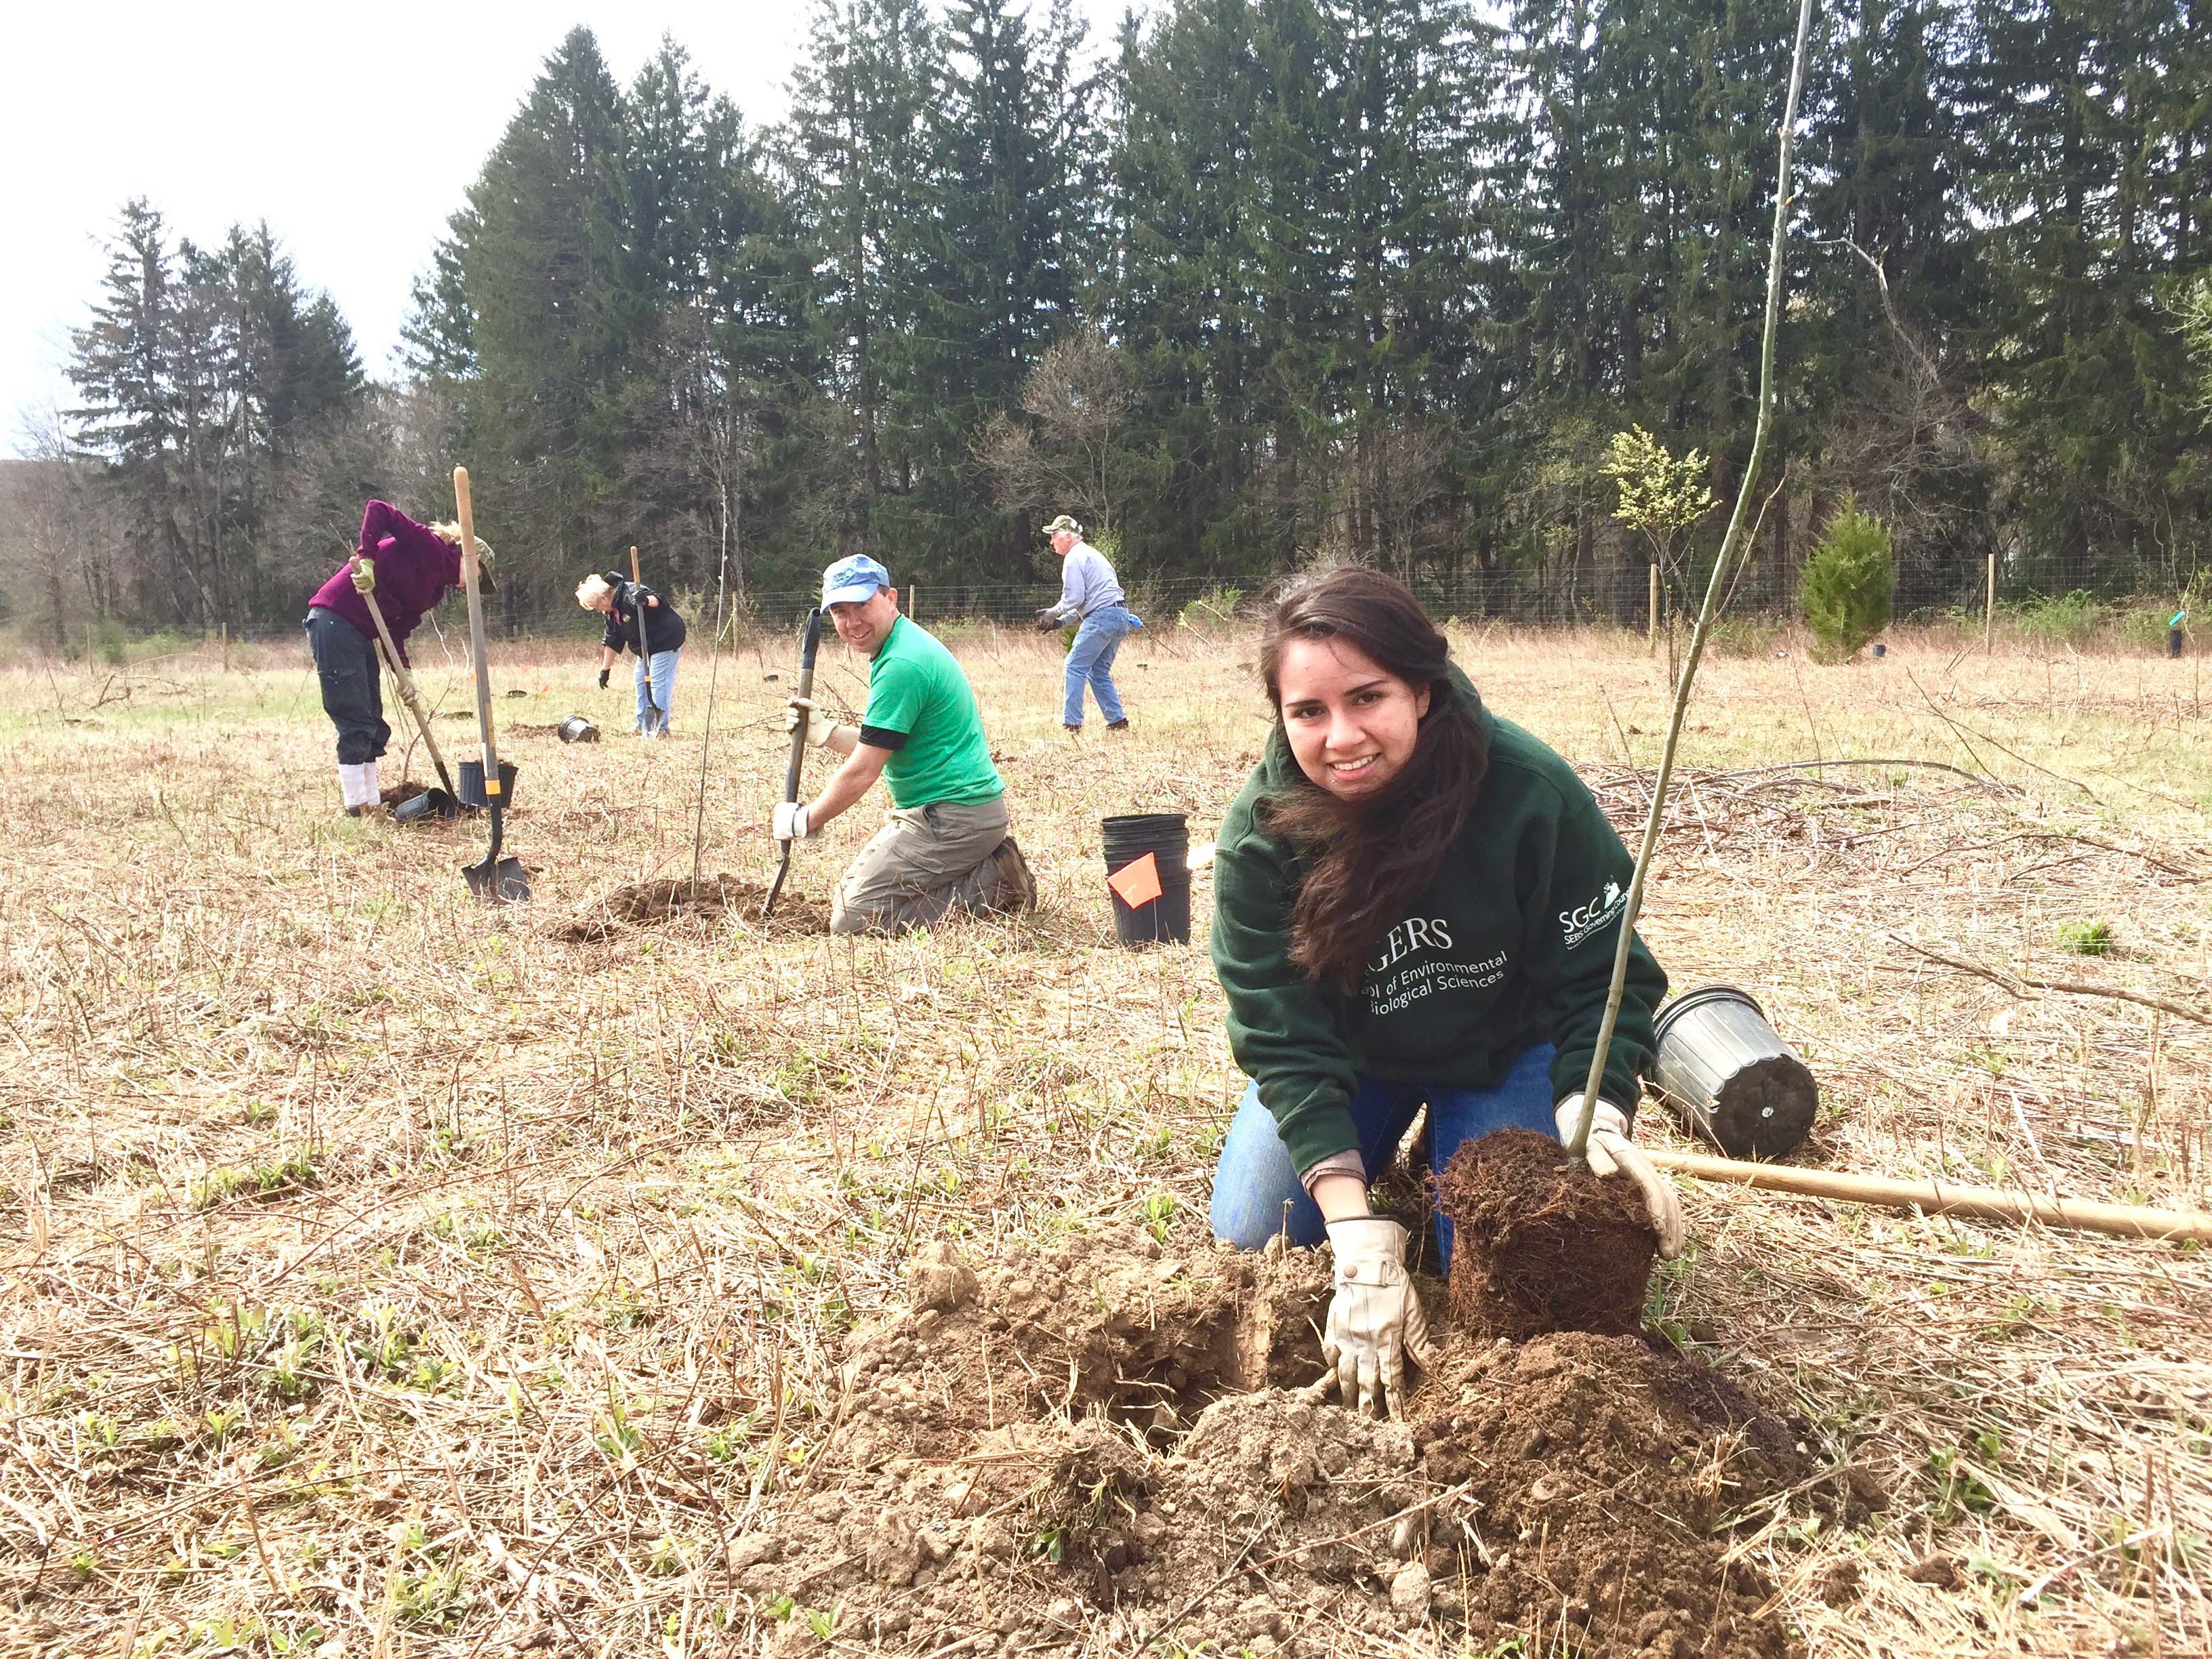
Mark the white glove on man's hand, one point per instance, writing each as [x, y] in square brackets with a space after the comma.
[800, 712]
[1612, 1153]
[789, 823]
[1374, 1319]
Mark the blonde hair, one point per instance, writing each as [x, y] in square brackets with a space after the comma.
[592, 590]
[450, 531]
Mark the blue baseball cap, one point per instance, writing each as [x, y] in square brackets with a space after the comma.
[854, 581]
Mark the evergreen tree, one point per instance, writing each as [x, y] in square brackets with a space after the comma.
[535, 295]
[205, 373]
[1188, 209]
[865, 171]
[2082, 208]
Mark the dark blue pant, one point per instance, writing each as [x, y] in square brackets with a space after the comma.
[353, 694]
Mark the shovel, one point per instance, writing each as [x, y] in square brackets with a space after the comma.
[497, 878]
[644, 657]
[807, 651]
[443, 802]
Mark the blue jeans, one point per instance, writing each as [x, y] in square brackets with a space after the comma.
[1091, 662]
[1254, 1180]
[663, 672]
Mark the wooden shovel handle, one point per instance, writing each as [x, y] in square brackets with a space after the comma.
[412, 697]
[465, 517]
[1940, 1198]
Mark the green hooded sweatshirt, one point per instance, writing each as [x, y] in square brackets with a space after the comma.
[1510, 945]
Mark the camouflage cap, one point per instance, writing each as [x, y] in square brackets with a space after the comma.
[1063, 522]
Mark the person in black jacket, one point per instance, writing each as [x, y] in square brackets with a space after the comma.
[1416, 903]
[622, 602]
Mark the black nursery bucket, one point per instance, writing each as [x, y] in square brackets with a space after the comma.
[1163, 837]
[472, 789]
[577, 729]
[428, 807]
[1728, 1076]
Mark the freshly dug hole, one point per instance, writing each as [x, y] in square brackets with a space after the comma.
[648, 903]
[1100, 1445]
[1539, 1243]
[1110, 1327]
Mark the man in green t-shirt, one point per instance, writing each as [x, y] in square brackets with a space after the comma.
[945, 843]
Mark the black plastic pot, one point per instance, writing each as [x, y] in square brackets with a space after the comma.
[471, 782]
[1166, 837]
[428, 807]
[576, 729]
[1723, 1071]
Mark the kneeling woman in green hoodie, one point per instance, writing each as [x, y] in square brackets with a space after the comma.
[1416, 903]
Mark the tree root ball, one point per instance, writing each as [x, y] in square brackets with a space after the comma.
[1539, 1243]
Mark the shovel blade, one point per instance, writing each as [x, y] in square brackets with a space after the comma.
[504, 881]
[497, 880]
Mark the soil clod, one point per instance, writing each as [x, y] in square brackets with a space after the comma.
[1539, 1244]
[671, 899]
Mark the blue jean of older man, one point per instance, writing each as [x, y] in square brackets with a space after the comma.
[1090, 663]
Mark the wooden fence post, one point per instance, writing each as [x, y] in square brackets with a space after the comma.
[1989, 607]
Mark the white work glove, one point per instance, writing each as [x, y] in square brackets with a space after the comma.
[800, 712]
[1612, 1153]
[364, 576]
[790, 823]
[1374, 1320]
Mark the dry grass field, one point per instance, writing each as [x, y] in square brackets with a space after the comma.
[389, 1275]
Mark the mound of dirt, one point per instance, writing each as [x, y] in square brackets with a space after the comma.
[1102, 1443]
[1539, 1243]
[392, 793]
[655, 904]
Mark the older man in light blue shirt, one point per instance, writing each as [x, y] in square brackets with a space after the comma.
[1089, 592]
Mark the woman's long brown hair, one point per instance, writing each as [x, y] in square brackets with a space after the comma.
[1363, 862]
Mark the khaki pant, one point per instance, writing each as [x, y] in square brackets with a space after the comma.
[923, 862]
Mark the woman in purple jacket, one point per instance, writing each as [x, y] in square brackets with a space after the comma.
[409, 567]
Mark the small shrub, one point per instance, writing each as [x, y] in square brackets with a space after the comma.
[1849, 583]
[109, 642]
[2087, 939]
[163, 642]
[2145, 630]
[2060, 619]
[1741, 636]
[1212, 608]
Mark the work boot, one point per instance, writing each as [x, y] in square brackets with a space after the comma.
[1016, 889]
[1117, 725]
[1073, 731]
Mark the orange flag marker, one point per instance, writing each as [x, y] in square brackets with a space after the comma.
[1137, 881]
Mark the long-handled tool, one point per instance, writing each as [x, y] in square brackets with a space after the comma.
[644, 657]
[806, 650]
[496, 878]
[1941, 1198]
[444, 802]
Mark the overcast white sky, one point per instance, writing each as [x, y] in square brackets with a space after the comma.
[353, 129]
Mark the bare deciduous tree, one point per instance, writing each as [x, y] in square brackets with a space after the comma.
[61, 534]
[1071, 454]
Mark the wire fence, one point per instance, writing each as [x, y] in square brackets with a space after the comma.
[2048, 602]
